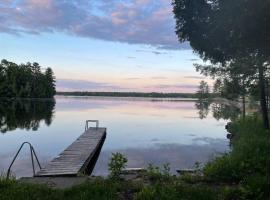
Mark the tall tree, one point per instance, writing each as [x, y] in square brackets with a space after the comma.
[223, 31]
[26, 81]
[203, 92]
[50, 83]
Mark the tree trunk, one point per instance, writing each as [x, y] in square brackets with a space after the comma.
[267, 94]
[263, 97]
[244, 107]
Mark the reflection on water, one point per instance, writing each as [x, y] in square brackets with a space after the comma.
[220, 110]
[203, 107]
[25, 114]
[225, 111]
[178, 155]
[146, 131]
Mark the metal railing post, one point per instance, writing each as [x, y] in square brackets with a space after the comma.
[32, 151]
[33, 164]
[94, 121]
[36, 157]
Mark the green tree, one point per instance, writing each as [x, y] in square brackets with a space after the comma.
[50, 83]
[26, 81]
[223, 31]
[203, 92]
[117, 163]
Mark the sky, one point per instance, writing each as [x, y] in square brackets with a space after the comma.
[100, 45]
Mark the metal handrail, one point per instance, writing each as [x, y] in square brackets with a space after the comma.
[87, 122]
[32, 158]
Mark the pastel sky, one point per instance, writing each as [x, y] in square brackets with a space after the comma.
[100, 45]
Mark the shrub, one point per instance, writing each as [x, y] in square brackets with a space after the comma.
[154, 173]
[117, 163]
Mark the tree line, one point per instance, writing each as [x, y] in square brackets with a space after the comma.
[233, 36]
[26, 80]
[130, 94]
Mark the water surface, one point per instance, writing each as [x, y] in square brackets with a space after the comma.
[145, 130]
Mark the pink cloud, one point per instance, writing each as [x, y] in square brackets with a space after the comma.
[81, 85]
[38, 3]
[135, 21]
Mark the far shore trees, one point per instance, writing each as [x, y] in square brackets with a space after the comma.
[224, 31]
[25, 81]
[203, 92]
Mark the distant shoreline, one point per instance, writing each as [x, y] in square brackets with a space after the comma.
[129, 94]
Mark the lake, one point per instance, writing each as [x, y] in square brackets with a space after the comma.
[180, 132]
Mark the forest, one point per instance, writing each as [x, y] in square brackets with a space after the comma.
[130, 94]
[28, 80]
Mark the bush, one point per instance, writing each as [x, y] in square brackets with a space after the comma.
[257, 187]
[175, 192]
[117, 163]
[247, 166]
[154, 173]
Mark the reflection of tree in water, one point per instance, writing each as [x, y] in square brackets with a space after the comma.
[25, 114]
[220, 110]
[203, 107]
[225, 111]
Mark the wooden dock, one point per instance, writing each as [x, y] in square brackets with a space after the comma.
[79, 158]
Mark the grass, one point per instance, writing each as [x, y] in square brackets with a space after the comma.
[99, 189]
[244, 173]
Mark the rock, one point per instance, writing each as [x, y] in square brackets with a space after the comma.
[186, 171]
[229, 126]
[55, 182]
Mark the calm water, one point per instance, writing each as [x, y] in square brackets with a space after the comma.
[145, 131]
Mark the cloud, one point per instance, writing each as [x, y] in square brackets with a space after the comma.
[148, 22]
[159, 77]
[153, 51]
[172, 88]
[177, 86]
[80, 85]
[132, 78]
[179, 156]
[193, 59]
[194, 77]
[153, 78]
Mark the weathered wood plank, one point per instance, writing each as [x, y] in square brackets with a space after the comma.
[77, 156]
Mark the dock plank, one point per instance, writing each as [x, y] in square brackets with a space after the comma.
[77, 156]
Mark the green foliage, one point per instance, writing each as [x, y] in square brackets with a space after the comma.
[117, 163]
[15, 191]
[257, 187]
[226, 33]
[203, 92]
[98, 190]
[231, 193]
[248, 165]
[157, 174]
[26, 81]
[176, 191]
[221, 30]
